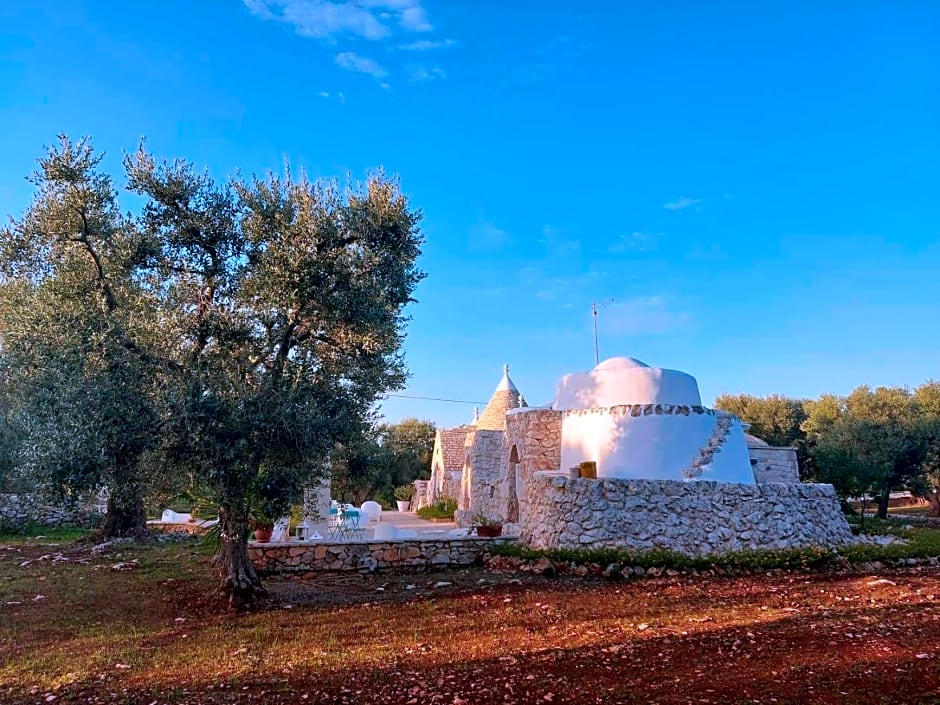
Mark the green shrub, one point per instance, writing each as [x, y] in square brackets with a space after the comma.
[443, 508]
[404, 493]
[922, 543]
[873, 526]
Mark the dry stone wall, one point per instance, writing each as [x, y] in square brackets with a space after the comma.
[303, 558]
[480, 476]
[772, 464]
[420, 498]
[693, 518]
[19, 510]
[532, 443]
[645, 410]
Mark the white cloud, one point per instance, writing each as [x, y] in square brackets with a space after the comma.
[557, 244]
[682, 203]
[351, 61]
[637, 241]
[420, 73]
[323, 94]
[486, 236]
[415, 19]
[706, 252]
[643, 315]
[565, 288]
[427, 44]
[328, 19]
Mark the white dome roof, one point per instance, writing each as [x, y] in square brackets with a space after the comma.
[620, 363]
[625, 380]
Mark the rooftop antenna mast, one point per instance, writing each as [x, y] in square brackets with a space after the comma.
[594, 306]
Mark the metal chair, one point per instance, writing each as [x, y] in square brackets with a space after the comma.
[354, 519]
[344, 523]
[335, 521]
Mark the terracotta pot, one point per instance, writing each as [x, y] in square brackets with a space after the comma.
[263, 535]
[489, 532]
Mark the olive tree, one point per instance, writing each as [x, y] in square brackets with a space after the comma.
[282, 311]
[231, 332]
[72, 371]
[870, 442]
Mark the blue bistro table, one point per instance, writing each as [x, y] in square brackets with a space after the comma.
[345, 524]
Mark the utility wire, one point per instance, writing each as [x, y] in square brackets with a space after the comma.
[453, 401]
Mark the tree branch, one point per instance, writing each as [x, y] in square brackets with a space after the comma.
[103, 284]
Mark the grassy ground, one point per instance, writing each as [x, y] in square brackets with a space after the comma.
[923, 510]
[128, 625]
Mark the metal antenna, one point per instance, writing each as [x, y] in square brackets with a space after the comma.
[594, 307]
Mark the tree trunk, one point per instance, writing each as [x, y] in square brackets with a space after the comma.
[126, 517]
[934, 497]
[883, 501]
[240, 586]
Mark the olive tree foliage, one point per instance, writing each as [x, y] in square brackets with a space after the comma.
[927, 483]
[385, 456]
[230, 333]
[776, 419]
[13, 480]
[871, 442]
[866, 444]
[282, 311]
[79, 412]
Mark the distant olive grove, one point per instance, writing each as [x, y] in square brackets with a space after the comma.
[867, 444]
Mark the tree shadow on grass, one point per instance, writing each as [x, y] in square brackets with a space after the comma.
[877, 654]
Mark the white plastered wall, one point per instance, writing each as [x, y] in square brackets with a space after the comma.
[653, 446]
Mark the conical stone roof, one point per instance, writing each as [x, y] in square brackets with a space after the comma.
[505, 397]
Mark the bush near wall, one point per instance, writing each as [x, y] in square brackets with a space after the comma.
[922, 546]
[443, 508]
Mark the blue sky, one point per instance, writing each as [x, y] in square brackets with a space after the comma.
[755, 185]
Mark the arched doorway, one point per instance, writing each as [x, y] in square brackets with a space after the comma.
[512, 479]
[466, 480]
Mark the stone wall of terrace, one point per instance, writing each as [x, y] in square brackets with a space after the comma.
[321, 557]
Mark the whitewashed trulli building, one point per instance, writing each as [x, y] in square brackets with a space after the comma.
[626, 455]
[466, 460]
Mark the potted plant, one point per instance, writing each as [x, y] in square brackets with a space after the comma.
[403, 495]
[262, 524]
[266, 502]
[486, 527]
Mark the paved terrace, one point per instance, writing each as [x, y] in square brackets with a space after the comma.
[408, 525]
